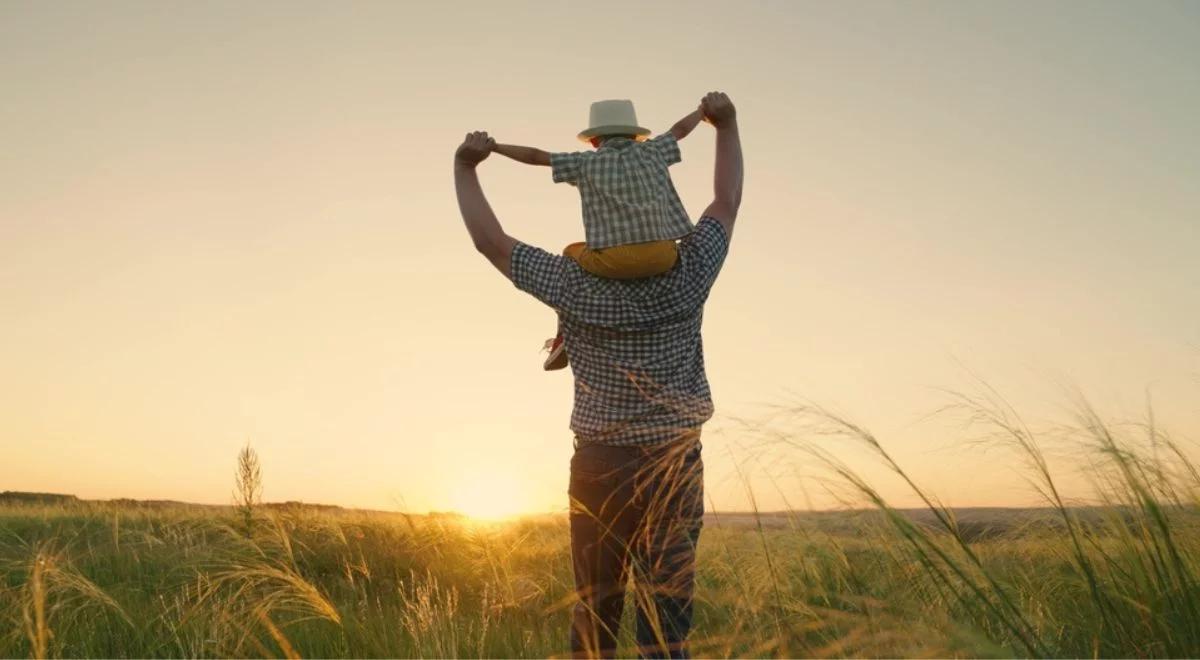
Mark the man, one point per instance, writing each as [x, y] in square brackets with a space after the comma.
[641, 397]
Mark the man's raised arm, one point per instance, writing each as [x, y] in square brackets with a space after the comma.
[727, 177]
[482, 224]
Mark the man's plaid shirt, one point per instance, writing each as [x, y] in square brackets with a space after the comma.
[626, 191]
[634, 345]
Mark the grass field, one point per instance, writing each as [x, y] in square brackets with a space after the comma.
[1117, 579]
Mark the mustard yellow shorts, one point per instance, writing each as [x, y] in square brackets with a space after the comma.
[625, 262]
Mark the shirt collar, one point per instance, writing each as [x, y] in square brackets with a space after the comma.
[616, 143]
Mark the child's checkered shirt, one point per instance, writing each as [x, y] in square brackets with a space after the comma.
[626, 191]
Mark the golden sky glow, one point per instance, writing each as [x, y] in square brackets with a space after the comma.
[230, 221]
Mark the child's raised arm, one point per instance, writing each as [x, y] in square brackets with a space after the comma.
[684, 126]
[527, 155]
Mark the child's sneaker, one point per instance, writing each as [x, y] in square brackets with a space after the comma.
[558, 354]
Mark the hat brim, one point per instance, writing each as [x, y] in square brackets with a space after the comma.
[612, 129]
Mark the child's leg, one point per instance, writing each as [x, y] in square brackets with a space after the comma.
[557, 359]
[625, 262]
[588, 259]
[574, 250]
[558, 355]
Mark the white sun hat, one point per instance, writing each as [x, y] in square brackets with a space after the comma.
[613, 117]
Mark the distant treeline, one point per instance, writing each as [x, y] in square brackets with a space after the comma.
[22, 497]
[37, 498]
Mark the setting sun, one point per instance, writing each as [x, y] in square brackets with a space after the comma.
[489, 497]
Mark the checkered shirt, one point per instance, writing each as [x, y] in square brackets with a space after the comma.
[634, 345]
[626, 191]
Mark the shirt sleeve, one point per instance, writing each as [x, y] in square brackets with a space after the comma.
[703, 252]
[539, 273]
[565, 167]
[667, 147]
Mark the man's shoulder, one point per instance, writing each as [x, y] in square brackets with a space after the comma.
[537, 271]
[535, 259]
[708, 235]
[702, 252]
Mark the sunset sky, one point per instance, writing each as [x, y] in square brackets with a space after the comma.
[224, 222]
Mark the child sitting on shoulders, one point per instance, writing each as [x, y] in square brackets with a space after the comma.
[632, 215]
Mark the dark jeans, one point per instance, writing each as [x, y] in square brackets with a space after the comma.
[635, 512]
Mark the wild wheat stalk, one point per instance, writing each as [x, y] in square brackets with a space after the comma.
[247, 492]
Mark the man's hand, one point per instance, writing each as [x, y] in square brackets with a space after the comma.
[718, 109]
[483, 226]
[476, 147]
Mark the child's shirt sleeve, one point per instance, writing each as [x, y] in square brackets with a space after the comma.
[667, 147]
[565, 167]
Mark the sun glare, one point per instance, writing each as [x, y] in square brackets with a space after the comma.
[489, 497]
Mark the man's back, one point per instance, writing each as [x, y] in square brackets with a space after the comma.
[635, 345]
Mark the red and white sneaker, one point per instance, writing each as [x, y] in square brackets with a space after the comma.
[558, 354]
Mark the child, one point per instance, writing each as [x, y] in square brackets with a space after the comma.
[631, 212]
